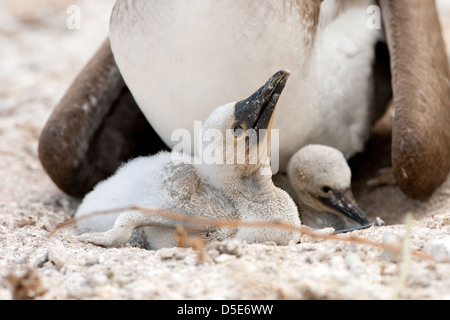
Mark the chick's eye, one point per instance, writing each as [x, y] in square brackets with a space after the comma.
[326, 189]
[238, 130]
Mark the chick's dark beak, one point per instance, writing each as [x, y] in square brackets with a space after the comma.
[256, 111]
[343, 202]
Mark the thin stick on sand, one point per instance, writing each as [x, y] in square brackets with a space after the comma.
[206, 223]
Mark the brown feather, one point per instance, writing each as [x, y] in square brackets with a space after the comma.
[94, 128]
[421, 86]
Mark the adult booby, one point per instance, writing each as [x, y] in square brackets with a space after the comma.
[233, 187]
[320, 180]
[179, 58]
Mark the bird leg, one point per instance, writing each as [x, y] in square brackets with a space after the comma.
[123, 228]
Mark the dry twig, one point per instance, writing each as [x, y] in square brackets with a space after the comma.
[206, 223]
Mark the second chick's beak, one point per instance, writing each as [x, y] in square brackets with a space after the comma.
[344, 203]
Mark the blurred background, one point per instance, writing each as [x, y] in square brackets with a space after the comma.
[39, 54]
[39, 58]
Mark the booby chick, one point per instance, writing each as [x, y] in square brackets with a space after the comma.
[320, 179]
[239, 189]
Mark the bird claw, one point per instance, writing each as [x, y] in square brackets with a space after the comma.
[379, 222]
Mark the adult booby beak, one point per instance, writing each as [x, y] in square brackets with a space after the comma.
[343, 202]
[257, 111]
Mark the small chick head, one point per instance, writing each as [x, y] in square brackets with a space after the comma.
[318, 169]
[321, 179]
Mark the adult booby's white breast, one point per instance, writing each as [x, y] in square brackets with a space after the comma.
[179, 58]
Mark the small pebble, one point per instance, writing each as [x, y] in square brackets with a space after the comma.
[231, 247]
[392, 240]
[354, 263]
[439, 249]
[172, 253]
[224, 258]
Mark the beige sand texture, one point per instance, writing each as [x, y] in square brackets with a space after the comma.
[40, 57]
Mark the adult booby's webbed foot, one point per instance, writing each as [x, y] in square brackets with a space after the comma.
[421, 87]
[94, 128]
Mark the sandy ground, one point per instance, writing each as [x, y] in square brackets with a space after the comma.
[40, 58]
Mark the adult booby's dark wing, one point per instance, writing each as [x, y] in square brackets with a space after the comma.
[94, 128]
[421, 88]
